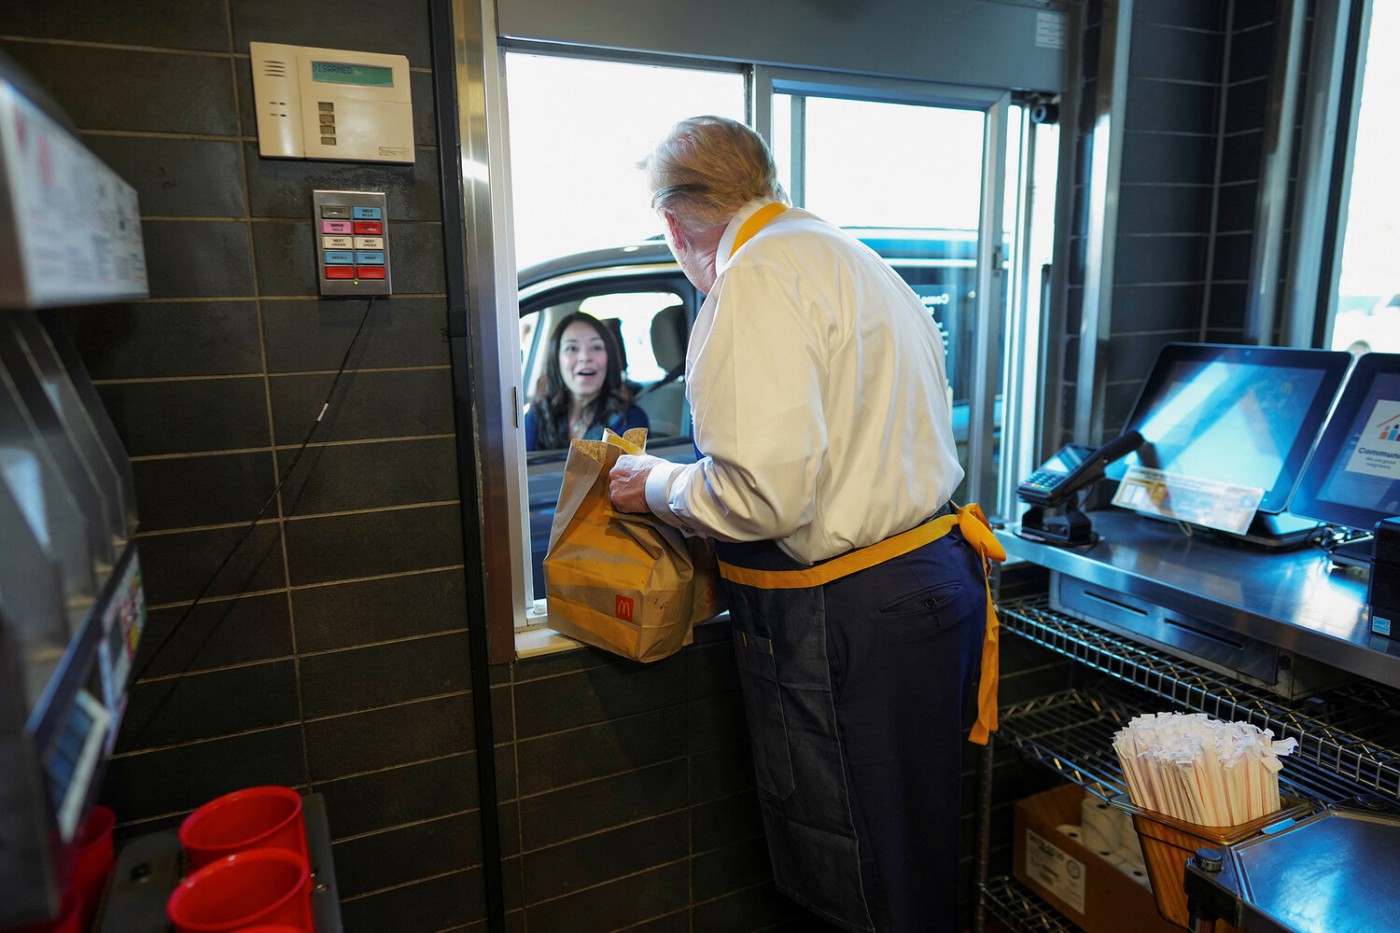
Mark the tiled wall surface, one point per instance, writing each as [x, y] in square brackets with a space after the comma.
[1198, 85]
[633, 793]
[330, 652]
[1247, 88]
[1167, 189]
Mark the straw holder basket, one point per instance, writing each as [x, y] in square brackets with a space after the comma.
[1168, 843]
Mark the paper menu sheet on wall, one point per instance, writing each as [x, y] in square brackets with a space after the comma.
[73, 225]
[1195, 500]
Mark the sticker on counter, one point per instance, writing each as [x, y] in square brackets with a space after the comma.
[1192, 499]
[1055, 870]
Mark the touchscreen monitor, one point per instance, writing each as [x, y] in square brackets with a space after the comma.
[1234, 414]
[1353, 478]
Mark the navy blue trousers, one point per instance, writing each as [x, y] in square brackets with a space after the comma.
[856, 694]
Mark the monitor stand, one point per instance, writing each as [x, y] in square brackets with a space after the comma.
[1063, 526]
[1354, 553]
[1280, 532]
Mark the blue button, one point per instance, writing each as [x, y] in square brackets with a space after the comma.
[367, 213]
[369, 257]
[339, 257]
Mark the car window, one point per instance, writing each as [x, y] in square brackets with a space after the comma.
[651, 326]
[948, 293]
[633, 312]
[651, 311]
[652, 323]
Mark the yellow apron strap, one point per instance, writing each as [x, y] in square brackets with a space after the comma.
[976, 530]
[843, 566]
[756, 223]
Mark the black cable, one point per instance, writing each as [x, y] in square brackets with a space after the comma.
[272, 497]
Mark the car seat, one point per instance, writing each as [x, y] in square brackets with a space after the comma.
[614, 326]
[664, 400]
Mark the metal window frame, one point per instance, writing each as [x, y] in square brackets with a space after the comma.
[992, 285]
[1331, 103]
[490, 375]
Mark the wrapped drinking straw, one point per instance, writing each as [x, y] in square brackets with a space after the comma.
[1201, 770]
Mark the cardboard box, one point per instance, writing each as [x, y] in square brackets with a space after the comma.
[1089, 891]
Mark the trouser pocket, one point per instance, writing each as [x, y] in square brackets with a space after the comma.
[763, 708]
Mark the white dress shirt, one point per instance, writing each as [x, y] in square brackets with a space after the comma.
[819, 388]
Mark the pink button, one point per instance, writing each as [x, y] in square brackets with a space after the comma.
[335, 226]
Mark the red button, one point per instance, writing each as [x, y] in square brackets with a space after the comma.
[370, 272]
[368, 228]
[340, 272]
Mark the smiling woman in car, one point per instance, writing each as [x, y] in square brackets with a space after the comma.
[583, 392]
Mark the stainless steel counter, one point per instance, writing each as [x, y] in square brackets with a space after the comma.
[1293, 600]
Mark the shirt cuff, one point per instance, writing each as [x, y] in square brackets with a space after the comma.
[658, 491]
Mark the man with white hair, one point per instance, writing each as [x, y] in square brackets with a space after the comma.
[857, 590]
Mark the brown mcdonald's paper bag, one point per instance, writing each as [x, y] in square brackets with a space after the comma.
[625, 582]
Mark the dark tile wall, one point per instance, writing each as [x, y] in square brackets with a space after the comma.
[1167, 192]
[330, 652]
[1247, 87]
[631, 795]
[1198, 86]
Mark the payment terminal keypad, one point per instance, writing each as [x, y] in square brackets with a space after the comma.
[352, 243]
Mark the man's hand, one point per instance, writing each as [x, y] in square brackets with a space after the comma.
[627, 483]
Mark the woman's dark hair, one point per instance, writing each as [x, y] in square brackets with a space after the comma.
[613, 401]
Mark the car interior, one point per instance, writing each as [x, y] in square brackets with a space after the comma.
[664, 401]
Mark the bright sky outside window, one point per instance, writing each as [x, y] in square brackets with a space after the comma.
[1368, 303]
[920, 166]
[578, 127]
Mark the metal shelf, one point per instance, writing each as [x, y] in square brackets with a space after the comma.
[1348, 738]
[1014, 904]
[1072, 734]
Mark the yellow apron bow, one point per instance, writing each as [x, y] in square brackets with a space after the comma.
[977, 531]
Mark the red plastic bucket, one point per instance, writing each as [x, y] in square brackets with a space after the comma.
[253, 818]
[255, 886]
[95, 861]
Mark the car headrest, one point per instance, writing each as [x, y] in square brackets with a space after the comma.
[614, 326]
[670, 330]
